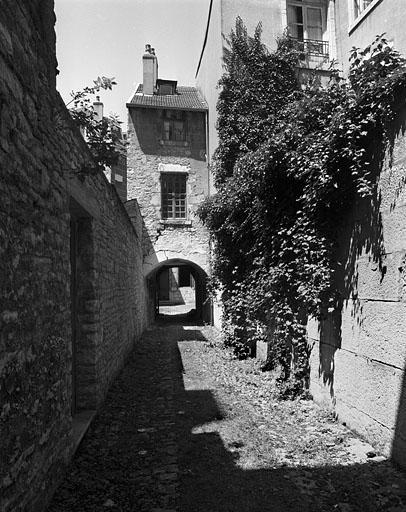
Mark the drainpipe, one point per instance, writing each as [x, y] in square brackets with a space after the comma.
[211, 305]
[208, 154]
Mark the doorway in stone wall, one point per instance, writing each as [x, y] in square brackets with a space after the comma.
[176, 291]
[83, 320]
[179, 292]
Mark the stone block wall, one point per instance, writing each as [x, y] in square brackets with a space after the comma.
[45, 197]
[119, 177]
[359, 355]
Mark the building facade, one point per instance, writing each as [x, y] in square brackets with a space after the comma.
[309, 21]
[358, 357]
[167, 174]
[358, 360]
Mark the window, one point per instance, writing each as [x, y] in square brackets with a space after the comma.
[173, 195]
[360, 6]
[305, 23]
[174, 126]
[166, 87]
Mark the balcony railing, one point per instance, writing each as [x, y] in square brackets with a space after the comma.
[313, 47]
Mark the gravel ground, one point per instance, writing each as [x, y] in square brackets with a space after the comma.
[188, 428]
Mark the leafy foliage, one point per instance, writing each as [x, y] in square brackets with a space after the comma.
[103, 136]
[293, 157]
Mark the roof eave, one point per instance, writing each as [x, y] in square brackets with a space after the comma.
[166, 107]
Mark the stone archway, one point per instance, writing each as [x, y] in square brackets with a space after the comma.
[203, 309]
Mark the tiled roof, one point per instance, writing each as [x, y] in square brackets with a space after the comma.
[187, 98]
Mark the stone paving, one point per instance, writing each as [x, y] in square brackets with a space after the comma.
[128, 459]
[188, 428]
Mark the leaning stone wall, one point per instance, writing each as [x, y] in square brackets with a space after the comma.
[359, 356]
[42, 189]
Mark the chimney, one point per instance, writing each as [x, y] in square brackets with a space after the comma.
[98, 109]
[150, 70]
[155, 66]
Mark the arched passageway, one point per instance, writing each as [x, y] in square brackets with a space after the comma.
[178, 289]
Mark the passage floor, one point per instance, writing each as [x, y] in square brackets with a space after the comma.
[188, 428]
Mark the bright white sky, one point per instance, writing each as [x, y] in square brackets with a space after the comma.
[108, 37]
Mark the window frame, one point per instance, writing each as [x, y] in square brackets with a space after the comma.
[355, 20]
[171, 117]
[167, 177]
[308, 42]
[358, 10]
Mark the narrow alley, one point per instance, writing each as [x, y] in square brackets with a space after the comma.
[188, 428]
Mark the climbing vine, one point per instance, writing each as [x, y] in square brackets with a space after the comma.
[294, 156]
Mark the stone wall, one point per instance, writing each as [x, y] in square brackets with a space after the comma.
[210, 70]
[382, 18]
[223, 16]
[46, 203]
[119, 177]
[148, 156]
[359, 355]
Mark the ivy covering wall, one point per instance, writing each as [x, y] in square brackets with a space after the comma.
[293, 159]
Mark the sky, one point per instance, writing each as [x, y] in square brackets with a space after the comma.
[108, 37]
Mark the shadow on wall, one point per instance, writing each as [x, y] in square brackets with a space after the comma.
[361, 234]
[176, 286]
[149, 132]
[399, 440]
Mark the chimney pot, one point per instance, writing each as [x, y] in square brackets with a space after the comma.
[98, 109]
[150, 70]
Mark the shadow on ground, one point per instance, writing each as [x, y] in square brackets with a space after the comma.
[211, 479]
[189, 318]
[154, 446]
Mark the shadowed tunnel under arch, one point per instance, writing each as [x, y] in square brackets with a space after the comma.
[179, 272]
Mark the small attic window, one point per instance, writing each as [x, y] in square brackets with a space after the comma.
[166, 87]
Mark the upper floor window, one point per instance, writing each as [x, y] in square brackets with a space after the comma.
[306, 24]
[360, 6]
[173, 195]
[174, 125]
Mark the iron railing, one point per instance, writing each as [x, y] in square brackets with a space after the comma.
[313, 47]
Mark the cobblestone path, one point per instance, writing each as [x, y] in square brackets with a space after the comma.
[187, 428]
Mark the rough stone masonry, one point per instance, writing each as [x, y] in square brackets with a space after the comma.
[71, 289]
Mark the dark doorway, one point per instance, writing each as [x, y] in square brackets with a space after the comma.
[74, 307]
[163, 285]
[83, 310]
